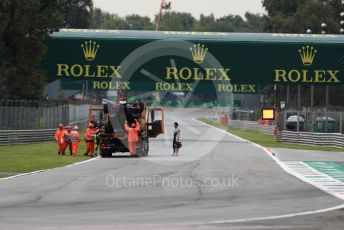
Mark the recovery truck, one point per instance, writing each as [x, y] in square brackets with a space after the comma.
[112, 137]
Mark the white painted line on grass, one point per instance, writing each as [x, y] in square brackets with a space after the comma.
[46, 170]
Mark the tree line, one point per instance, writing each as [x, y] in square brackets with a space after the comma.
[24, 24]
[178, 21]
[282, 16]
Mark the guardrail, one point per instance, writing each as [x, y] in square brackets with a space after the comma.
[244, 125]
[251, 125]
[266, 129]
[8, 137]
[321, 139]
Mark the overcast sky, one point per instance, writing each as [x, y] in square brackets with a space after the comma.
[150, 7]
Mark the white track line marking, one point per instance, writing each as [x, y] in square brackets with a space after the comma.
[286, 169]
[46, 170]
[276, 217]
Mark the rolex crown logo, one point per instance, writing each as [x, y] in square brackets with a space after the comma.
[307, 54]
[198, 53]
[90, 50]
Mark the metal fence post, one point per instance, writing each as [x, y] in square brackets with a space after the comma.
[341, 122]
[1, 115]
[326, 122]
[297, 121]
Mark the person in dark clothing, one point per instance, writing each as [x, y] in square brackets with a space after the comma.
[67, 140]
[176, 141]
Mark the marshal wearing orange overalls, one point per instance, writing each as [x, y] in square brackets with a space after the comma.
[133, 137]
[89, 138]
[75, 137]
[59, 138]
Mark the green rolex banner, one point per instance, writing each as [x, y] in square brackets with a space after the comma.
[191, 61]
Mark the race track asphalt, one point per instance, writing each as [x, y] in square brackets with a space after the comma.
[217, 178]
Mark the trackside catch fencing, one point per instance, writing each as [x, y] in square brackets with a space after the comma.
[32, 121]
[31, 115]
[319, 121]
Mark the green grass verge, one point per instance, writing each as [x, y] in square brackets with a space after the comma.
[32, 157]
[266, 140]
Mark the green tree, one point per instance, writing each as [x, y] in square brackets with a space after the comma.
[77, 13]
[137, 22]
[176, 21]
[104, 20]
[230, 23]
[97, 19]
[282, 7]
[205, 23]
[254, 22]
[114, 22]
[23, 26]
[235, 22]
[296, 16]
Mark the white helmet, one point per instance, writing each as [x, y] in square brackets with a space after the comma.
[76, 128]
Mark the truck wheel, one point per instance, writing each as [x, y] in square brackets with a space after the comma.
[146, 148]
[104, 154]
[139, 152]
